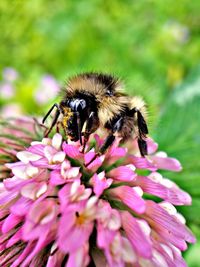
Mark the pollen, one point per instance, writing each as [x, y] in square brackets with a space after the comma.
[80, 219]
[67, 115]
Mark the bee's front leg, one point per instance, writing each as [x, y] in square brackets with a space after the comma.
[109, 139]
[92, 125]
[55, 119]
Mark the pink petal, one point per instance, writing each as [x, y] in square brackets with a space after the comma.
[56, 178]
[21, 207]
[34, 190]
[15, 183]
[49, 152]
[179, 261]
[43, 212]
[129, 197]
[166, 253]
[151, 146]
[10, 222]
[163, 236]
[72, 173]
[141, 163]
[57, 141]
[15, 164]
[128, 253]
[8, 197]
[27, 156]
[43, 163]
[96, 163]
[37, 149]
[14, 239]
[59, 157]
[161, 257]
[25, 171]
[72, 193]
[64, 195]
[162, 220]
[162, 162]
[114, 154]
[72, 151]
[140, 242]
[173, 194]
[105, 236]
[100, 183]
[79, 258]
[54, 156]
[123, 173]
[114, 252]
[73, 233]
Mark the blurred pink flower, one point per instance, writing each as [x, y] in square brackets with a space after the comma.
[47, 90]
[11, 110]
[7, 88]
[10, 74]
[55, 211]
[7, 91]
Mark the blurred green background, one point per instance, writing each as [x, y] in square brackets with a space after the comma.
[154, 46]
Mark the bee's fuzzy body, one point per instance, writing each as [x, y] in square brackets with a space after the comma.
[99, 101]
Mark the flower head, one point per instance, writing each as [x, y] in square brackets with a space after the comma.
[55, 211]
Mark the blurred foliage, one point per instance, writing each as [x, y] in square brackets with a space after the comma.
[178, 133]
[152, 45]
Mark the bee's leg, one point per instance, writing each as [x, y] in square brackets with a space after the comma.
[142, 144]
[53, 122]
[142, 132]
[116, 127]
[49, 112]
[91, 125]
[108, 142]
[109, 139]
[58, 126]
[79, 126]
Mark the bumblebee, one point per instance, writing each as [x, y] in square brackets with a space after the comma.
[93, 100]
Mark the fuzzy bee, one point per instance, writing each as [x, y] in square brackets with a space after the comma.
[93, 100]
